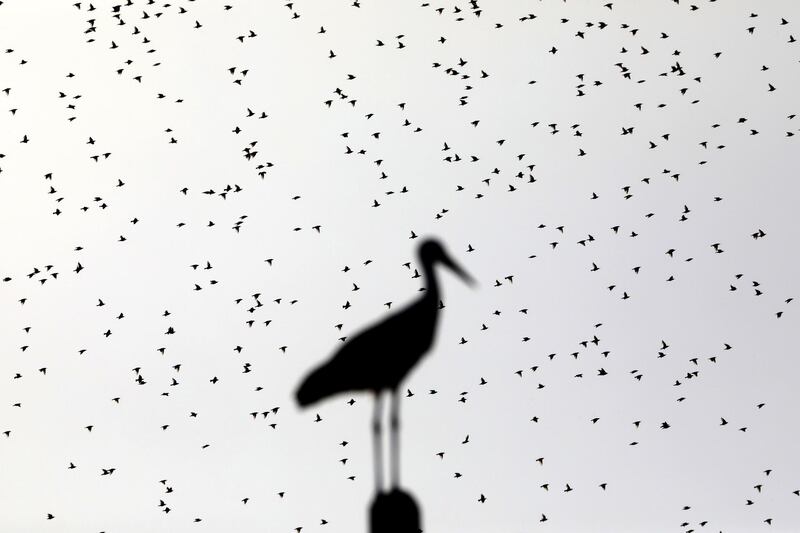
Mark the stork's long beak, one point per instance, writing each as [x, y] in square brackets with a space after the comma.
[452, 265]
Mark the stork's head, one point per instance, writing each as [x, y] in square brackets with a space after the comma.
[432, 252]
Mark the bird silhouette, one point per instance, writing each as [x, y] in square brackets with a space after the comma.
[381, 356]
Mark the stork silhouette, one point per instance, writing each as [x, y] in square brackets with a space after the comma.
[380, 357]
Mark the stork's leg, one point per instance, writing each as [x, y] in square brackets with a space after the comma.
[376, 443]
[394, 421]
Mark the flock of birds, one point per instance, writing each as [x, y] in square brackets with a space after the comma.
[178, 252]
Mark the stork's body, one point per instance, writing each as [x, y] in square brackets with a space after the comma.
[381, 356]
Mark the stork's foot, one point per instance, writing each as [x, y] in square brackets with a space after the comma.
[394, 512]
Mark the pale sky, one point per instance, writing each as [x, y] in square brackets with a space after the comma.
[504, 103]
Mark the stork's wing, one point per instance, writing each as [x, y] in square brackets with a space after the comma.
[376, 357]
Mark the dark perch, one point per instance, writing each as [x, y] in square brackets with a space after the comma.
[394, 512]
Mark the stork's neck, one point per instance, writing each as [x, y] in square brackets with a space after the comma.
[431, 285]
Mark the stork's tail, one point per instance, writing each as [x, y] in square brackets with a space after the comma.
[318, 384]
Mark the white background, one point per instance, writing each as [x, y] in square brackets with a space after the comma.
[695, 463]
